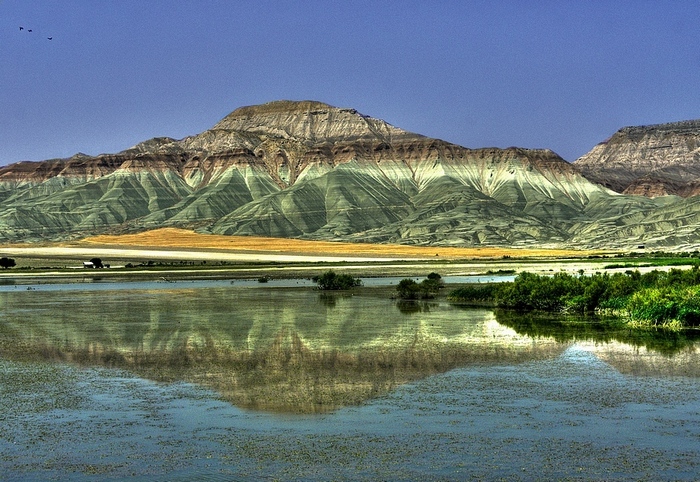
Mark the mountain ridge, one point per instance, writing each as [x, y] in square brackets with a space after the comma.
[308, 170]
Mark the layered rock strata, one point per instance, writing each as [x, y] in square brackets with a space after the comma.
[313, 171]
[655, 160]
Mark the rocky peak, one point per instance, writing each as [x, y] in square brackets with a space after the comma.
[155, 145]
[308, 121]
[79, 165]
[658, 132]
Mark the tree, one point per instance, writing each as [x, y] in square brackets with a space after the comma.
[431, 285]
[7, 262]
[408, 289]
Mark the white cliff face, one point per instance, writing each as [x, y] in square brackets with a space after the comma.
[648, 160]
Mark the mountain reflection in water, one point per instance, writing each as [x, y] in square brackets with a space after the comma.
[654, 352]
[284, 350]
[289, 350]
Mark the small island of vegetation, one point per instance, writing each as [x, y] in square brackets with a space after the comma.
[408, 289]
[330, 280]
[669, 299]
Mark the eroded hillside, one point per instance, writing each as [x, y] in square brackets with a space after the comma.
[650, 161]
[312, 171]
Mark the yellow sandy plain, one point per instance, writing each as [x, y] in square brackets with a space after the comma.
[173, 238]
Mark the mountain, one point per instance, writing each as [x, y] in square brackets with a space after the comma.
[655, 160]
[309, 170]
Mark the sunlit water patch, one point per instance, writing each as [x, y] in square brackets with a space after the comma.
[91, 283]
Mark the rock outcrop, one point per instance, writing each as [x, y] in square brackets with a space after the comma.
[651, 161]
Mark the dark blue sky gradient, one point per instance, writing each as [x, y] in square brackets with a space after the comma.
[563, 75]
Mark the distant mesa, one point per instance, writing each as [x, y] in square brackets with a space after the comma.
[309, 170]
[652, 161]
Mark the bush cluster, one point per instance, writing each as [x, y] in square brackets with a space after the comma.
[480, 293]
[408, 289]
[332, 281]
[655, 298]
[7, 262]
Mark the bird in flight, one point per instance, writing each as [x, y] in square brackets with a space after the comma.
[30, 30]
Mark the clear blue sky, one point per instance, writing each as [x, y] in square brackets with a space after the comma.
[563, 75]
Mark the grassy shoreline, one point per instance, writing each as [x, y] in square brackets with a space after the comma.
[192, 264]
[656, 299]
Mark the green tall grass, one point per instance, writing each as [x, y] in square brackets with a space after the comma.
[657, 298]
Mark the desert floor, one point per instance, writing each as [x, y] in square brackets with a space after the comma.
[200, 255]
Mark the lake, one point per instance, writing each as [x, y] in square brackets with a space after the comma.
[221, 380]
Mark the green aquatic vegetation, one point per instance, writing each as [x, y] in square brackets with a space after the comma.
[669, 299]
[675, 307]
[482, 293]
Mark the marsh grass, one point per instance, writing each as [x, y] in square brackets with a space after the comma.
[667, 299]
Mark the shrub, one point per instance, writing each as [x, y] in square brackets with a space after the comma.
[408, 289]
[474, 293]
[332, 281]
[689, 310]
[652, 306]
[7, 262]
[661, 306]
[534, 292]
[656, 298]
[97, 262]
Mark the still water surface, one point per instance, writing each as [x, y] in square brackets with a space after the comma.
[221, 381]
